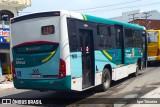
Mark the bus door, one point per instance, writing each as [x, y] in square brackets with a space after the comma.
[87, 48]
[119, 44]
[145, 49]
[153, 45]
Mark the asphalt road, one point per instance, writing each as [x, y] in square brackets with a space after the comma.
[130, 87]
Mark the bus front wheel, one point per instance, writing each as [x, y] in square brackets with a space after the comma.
[106, 80]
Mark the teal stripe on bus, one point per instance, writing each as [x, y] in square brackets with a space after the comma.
[84, 17]
[44, 84]
[113, 22]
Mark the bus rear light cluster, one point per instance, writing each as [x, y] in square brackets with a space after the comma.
[13, 70]
[62, 69]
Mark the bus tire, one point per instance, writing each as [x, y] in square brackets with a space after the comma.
[140, 64]
[106, 80]
[137, 71]
[149, 63]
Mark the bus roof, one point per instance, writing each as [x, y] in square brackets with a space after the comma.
[112, 22]
[152, 30]
[85, 17]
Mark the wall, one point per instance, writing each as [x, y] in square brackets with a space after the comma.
[13, 10]
[151, 24]
[128, 17]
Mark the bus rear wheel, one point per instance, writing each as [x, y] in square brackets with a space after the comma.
[140, 64]
[106, 80]
[137, 71]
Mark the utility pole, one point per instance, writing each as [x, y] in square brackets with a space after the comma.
[133, 17]
[146, 15]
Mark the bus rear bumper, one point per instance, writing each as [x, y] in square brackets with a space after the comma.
[154, 58]
[43, 84]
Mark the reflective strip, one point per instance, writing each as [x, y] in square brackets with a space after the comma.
[84, 17]
[106, 53]
[47, 58]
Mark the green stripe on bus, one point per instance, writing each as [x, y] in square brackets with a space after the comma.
[84, 17]
[48, 57]
[106, 54]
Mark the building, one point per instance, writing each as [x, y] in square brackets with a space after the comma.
[148, 24]
[8, 9]
[148, 19]
[136, 14]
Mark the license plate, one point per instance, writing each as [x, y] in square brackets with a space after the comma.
[36, 76]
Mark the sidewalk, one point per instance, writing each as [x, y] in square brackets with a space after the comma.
[4, 83]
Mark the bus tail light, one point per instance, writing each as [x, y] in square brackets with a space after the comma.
[158, 52]
[13, 70]
[62, 69]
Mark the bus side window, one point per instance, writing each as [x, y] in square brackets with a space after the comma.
[118, 39]
[128, 40]
[72, 35]
[148, 38]
[137, 38]
[104, 37]
[152, 36]
[133, 38]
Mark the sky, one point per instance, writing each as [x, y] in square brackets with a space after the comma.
[101, 8]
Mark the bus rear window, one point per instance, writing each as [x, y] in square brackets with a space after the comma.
[152, 37]
[36, 48]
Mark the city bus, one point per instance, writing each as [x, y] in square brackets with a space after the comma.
[153, 45]
[64, 50]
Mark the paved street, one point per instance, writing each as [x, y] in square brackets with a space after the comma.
[131, 87]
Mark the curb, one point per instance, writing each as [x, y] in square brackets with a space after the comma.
[6, 86]
[2, 79]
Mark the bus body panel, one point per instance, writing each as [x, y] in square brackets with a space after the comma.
[30, 30]
[102, 58]
[132, 55]
[43, 84]
[76, 70]
[32, 66]
[64, 40]
[29, 56]
[38, 68]
[153, 45]
[123, 71]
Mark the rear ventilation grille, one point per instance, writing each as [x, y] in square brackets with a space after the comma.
[50, 76]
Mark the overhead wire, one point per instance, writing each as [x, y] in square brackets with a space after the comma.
[133, 6]
[107, 5]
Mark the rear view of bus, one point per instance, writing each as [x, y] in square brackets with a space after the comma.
[153, 45]
[35, 46]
